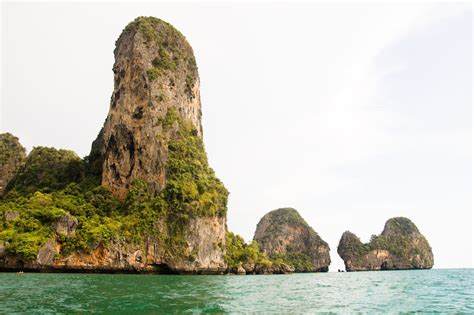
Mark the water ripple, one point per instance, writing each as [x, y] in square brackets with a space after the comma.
[417, 291]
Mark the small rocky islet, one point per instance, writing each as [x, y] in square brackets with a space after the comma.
[399, 246]
[145, 199]
[283, 234]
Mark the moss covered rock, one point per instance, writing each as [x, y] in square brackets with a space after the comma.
[399, 246]
[284, 236]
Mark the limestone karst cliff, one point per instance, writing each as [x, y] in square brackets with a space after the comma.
[12, 157]
[156, 85]
[145, 199]
[284, 235]
[399, 246]
[153, 133]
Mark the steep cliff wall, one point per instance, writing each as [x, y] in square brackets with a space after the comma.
[399, 246]
[202, 253]
[283, 234]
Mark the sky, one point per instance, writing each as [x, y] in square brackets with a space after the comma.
[350, 113]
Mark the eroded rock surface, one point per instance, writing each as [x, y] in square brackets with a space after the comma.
[399, 246]
[66, 225]
[47, 253]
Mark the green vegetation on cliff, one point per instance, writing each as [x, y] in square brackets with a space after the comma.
[148, 26]
[395, 238]
[172, 53]
[192, 187]
[396, 245]
[299, 261]
[239, 254]
[53, 183]
[96, 211]
[47, 168]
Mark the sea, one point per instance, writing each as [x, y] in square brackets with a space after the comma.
[410, 291]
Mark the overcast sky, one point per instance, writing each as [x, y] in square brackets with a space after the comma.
[351, 114]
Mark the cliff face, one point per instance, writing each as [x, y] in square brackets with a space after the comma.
[399, 246]
[12, 157]
[283, 234]
[158, 207]
[155, 75]
[202, 255]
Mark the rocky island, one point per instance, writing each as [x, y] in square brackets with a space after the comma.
[284, 235]
[399, 246]
[283, 243]
[145, 199]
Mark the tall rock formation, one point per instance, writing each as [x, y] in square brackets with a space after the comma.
[155, 79]
[153, 135]
[12, 157]
[284, 234]
[399, 246]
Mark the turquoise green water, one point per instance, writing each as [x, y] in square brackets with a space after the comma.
[449, 291]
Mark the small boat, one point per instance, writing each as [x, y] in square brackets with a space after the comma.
[19, 272]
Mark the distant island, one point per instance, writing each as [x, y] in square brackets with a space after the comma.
[145, 199]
